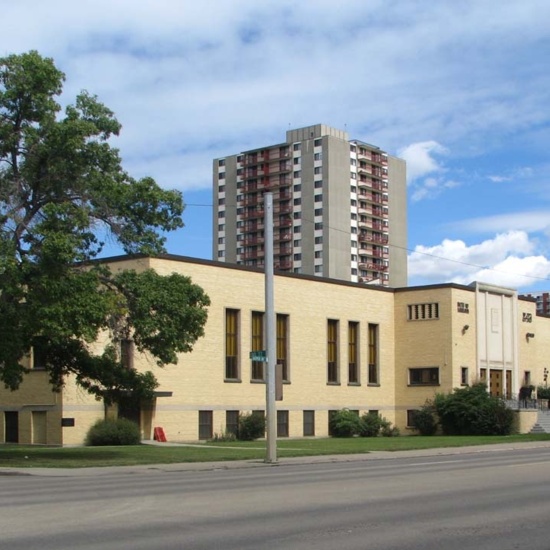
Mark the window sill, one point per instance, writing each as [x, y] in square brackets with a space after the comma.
[334, 384]
[257, 381]
[354, 383]
[233, 380]
[423, 385]
[373, 385]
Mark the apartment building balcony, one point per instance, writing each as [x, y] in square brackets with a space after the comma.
[253, 226]
[252, 254]
[278, 168]
[371, 183]
[282, 209]
[282, 223]
[250, 200]
[250, 214]
[377, 238]
[283, 265]
[375, 198]
[369, 266]
[283, 195]
[253, 240]
[284, 237]
[377, 253]
[283, 250]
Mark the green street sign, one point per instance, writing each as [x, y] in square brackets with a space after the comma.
[258, 356]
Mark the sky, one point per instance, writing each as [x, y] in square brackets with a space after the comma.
[460, 90]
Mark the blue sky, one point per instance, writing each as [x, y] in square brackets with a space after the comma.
[461, 90]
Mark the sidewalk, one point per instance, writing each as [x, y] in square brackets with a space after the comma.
[283, 461]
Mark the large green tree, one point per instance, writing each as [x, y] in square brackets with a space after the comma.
[63, 192]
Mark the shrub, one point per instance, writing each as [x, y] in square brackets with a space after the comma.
[251, 426]
[472, 411]
[424, 420]
[543, 392]
[118, 431]
[345, 423]
[373, 425]
[387, 430]
[370, 425]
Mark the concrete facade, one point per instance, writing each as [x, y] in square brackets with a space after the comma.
[409, 343]
[340, 207]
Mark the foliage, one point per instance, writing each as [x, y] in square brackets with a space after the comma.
[472, 411]
[387, 430]
[63, 193]
[543, 392]
[223, 437]
[373, 425]
[118, 431]
[425, 420]
[251, 426]
[345, 423]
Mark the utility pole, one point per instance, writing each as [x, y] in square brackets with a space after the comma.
[271, 336]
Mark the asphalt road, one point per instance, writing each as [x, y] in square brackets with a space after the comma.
[474, 500]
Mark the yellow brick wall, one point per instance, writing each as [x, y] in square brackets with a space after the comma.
[197, 382]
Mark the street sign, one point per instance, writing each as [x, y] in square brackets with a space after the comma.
[259, 355]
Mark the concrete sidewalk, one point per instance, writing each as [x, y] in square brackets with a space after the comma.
[240, 464]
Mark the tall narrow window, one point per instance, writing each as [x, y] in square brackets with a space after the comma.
[282, 345]
[205, 424]
[309, 423]
[232, 344]
[257, 344]
[232, 422]
[373, 354]
[332, 351]
[353, 352]
[282, 423]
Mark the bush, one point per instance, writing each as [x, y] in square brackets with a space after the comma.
[543, 392]
[118, 431]
[472, 411]
[345, 423]
[387, 430]
[424, 420]
[373, 425]
[251, 426]
[370, 425]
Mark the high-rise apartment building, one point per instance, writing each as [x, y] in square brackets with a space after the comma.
[339, 207]
[543, 302]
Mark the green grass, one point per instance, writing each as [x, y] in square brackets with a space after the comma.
[15, 456]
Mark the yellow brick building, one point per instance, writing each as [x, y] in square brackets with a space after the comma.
[341, 345]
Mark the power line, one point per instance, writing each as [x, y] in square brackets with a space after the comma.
[477, 266]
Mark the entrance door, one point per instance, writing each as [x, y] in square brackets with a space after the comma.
[11, 427]
[39, 427]
[129, 408]
[508, 384]
[495, 383]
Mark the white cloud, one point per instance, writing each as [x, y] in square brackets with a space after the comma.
[529, 221]
[420, 159]
[509, 259]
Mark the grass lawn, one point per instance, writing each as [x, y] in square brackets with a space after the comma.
[15, 456]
